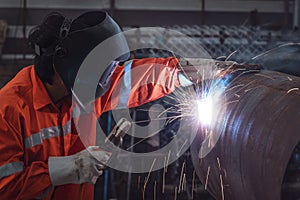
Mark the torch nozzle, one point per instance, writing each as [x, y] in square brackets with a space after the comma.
[119, 131]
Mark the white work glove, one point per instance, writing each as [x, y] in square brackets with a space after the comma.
[83, 167]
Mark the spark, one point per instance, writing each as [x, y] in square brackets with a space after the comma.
[238, 96]
[142, 140]
[236, 86]
[240, 85]
[207, 175]
[270, 50]
[293, 89]
[220, 57]
[175, 195]
[177, 117]
[263, 75]
[178, 153]
[199, 104]
[136, 143]
[181, 177]
[150, 110]
[183, 185]
[148, 176]
[233, 101]
[155, 119]
[230, 55]
[143, 194]
[245, 72]
[167, 163]
[168, 109]
[289, 78]
[247, 90]
[222, 186]
[219, 164]
[221, 178]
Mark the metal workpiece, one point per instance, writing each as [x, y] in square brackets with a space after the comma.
[260, 130]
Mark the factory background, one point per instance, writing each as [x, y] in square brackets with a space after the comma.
[258, 25]
[241, 29]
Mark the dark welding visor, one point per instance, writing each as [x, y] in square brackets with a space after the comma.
[77, 43]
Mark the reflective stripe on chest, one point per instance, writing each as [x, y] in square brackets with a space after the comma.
[46, 133]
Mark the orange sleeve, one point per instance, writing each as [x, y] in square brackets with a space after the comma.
[110, 99]
[18, 181]
[150, 79]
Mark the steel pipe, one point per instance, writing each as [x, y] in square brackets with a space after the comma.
[260, 130]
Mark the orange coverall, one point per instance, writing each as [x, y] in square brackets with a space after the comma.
[32, 127]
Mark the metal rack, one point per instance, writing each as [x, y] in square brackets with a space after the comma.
[241, 43]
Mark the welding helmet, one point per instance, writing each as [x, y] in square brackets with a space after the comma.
[76, 44]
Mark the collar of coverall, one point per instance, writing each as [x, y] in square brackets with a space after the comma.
[41, 97]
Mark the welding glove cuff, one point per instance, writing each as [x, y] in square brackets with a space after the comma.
[83, 167]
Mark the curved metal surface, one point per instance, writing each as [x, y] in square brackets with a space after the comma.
[260, 131]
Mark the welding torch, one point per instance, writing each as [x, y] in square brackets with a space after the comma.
[118, 132]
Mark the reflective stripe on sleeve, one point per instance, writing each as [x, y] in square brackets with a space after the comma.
[46, 133]
[11, 168]
[126, 86]
[67, 128]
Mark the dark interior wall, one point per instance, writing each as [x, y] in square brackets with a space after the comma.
[139, 18]
[14, 16]
[154, 13]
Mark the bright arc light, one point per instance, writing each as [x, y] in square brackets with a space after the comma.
[205, 110]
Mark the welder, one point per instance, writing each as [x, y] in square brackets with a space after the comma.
[41, 153]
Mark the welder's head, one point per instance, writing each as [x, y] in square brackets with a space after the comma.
[62, 44]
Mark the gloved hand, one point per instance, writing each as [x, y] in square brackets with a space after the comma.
[83, 167]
